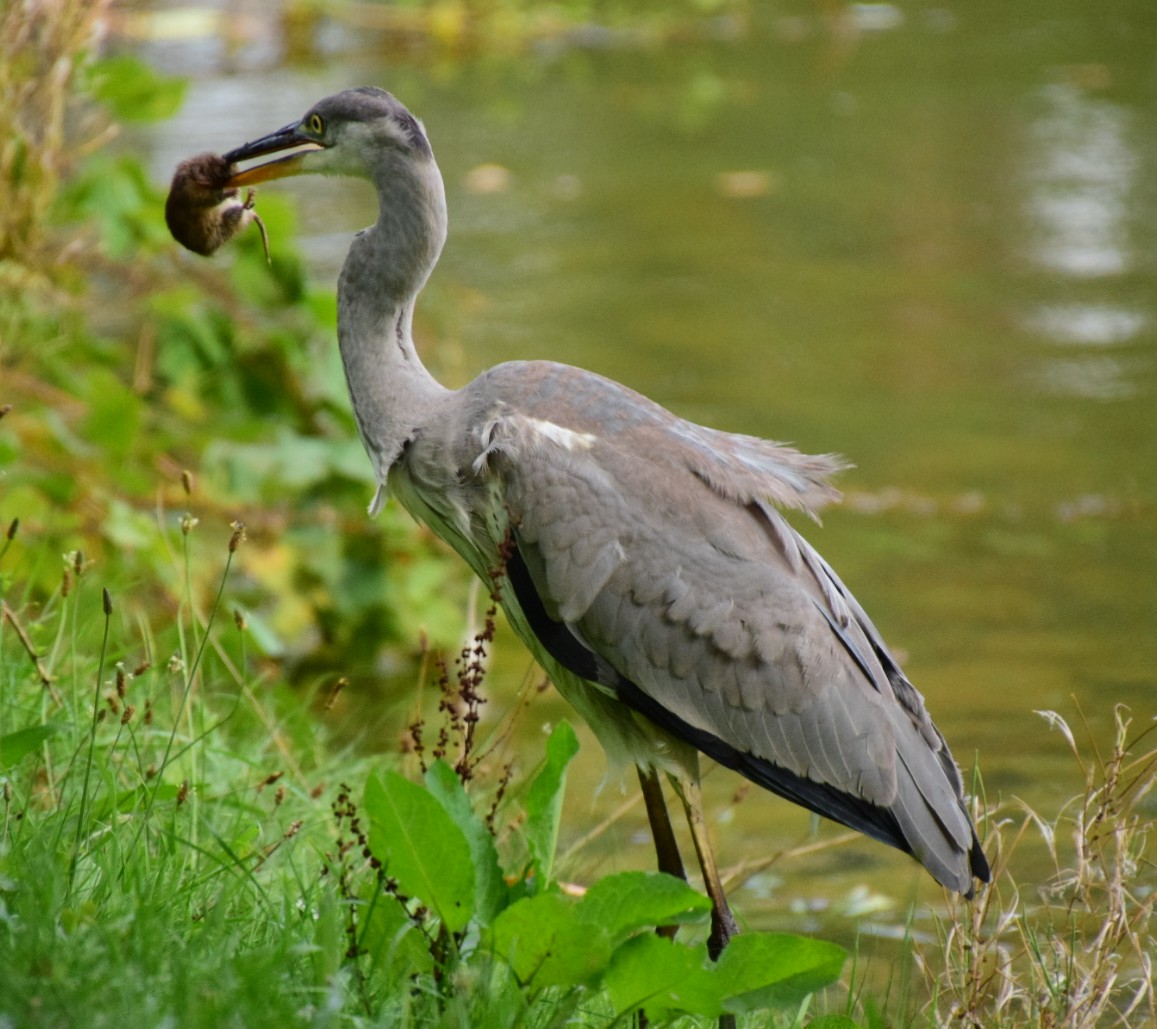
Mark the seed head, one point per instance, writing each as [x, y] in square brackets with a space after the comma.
[238, 536]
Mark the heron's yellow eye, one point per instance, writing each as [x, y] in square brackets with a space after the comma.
[316, 124]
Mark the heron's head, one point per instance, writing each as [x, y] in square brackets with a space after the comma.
[362, 132]
[368, 134]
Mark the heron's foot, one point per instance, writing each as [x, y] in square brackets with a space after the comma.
[723, 927]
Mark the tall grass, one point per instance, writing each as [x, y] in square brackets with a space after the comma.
[179, 847]
[164, 828]
[1076, 950]
[42, 45]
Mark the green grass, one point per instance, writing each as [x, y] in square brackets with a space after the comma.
[149, 868]
[182, 846]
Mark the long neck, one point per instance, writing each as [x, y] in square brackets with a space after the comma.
[390, 389]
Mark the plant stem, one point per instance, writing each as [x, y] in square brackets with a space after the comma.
[83, 813]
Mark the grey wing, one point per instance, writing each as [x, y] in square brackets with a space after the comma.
[726, 628]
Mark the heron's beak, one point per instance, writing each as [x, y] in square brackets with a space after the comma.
[283, 139]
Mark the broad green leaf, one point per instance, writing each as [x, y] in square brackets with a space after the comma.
[544, 800]
[546, 943]
[628, 901]
[490, 889]
[833, 1022]
[387, 935]
[659, 975]
[134, 91]
[16, 745]
[421, 847]
[762, 970]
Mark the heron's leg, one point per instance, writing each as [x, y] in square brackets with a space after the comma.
[723, 925]
[666, 849]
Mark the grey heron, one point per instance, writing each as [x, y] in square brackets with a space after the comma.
[649, 569]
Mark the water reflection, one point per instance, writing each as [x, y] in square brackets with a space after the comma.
[1081, 177]
[1095, 378]
[1097, 325]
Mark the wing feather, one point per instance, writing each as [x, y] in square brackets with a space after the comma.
[660, 552]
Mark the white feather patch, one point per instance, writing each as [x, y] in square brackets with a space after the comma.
[496, 434]
[567, 438]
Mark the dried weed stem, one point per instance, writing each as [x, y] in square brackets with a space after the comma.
[1079, 954]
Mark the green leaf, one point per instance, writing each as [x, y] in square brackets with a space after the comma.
[833, 1022]
[757, 970]
[628, 901]
[762, 970]
[129, 528]
[389, 938]
[114, 413]
[659, 975]
[16, 745]
[421, 847]
[129, 800]
[490, 890]
[133, 91]
[115, 194]
[547, 943]
[544, 800]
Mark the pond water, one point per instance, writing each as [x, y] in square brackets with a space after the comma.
[929, 245]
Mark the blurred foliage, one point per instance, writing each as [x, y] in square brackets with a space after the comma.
[144, 382]
[40, 48]
[504, 26]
